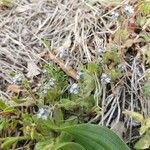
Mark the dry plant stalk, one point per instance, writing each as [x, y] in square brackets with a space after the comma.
[66, 68]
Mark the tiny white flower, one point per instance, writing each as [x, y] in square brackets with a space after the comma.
[105, 78]
[39, 84]
[129, 9]
[79, 74]
[74, 89]
[40, 112]
[45, 91]
[17, 78]
[51, 82]
[101, 50]
[44, 71]
[44, 117]
[121, 67]
[63, 54]
[44, 113]
[114, 14]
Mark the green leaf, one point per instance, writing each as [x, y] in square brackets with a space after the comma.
[144, 7]
[53, 95]
[94, 68]
[58, 116]
[68, 104]
[47, 43]
[72, 120]
[64, 137]
[145, 126]
[10, 141]
[87, 86]
[6, 3]
[95, 137]
[147, 86]
[3, 124]
[143, 143]
[115, 74]
[9, 109]
[17, 100]
[2, 105]
[45, 145]
[135, 115]
[111, 56]
[68, 146]
[148, 56]
[121, 36]
[141, 20]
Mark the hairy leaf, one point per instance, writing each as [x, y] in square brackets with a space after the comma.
[95, 137]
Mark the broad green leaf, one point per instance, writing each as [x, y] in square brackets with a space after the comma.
[68, 146]
[72, 120]
[64, 137]
[95, 137]
[135, 115]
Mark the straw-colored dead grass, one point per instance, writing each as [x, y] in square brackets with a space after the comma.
[80, 30]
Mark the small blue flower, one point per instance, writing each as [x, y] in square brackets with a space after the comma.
[129, 9]
[17, 78]
[41, 114]
[101, 50]
[79, 74]
[44, 71]
[51, 82]
[114, 14]
[74, 89]
[105, 78]
[44, 113]
[63, 54]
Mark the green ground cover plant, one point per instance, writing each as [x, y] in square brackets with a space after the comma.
[74, 74]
